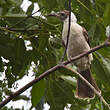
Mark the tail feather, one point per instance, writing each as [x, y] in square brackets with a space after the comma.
[83, 90]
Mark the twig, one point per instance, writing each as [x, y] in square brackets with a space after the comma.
[69, 25]
[96, 92]
[48, 72]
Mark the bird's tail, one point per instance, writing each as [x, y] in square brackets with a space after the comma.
[83, 90]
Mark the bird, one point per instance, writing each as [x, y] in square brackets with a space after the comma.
[77, 44]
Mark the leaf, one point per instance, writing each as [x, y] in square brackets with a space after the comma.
[18, 62]
[59, 93]
[86, 9]
[37, 92]
[19, 49]
[55, 42]
[62, 3]
[1, 65]
[107, 97]
[21, 97]
[43, 41]
[47, 4]
[105, 52]
[34, 42]
[9, 5]
[92, 30]
[106, 65]
[107, 15]
[9, 76]
[100, 66]
[6, 47]
[30, 9]
[51, 58]
[69, 79]
[17, 2]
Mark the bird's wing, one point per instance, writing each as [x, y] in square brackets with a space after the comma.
[63, 43]
[85, 33]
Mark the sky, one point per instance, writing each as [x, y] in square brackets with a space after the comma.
[27, 3]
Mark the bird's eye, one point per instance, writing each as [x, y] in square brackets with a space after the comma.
[62, 14]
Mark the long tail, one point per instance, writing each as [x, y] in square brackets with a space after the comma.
[83, 90]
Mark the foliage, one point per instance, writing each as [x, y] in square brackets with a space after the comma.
[44, 34]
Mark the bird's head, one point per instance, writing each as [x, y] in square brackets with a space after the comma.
[64, 15]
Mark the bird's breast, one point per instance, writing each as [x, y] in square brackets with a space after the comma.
[77, 43]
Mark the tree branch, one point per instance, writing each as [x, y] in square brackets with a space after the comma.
[15, 94]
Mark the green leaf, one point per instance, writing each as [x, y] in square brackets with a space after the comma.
[18, 62]
[105, 52]
[69, 79]
[37, 92]
[17, 2]
[55, 42]
[43, 41]
[100, 67]
[62, 3]
[106, 65]
[21, 97]
[9, 76]
[107, 15]
[91, 31]
[59, 93]
[30, 9]
[47, 4]
[1, 65]
[6, 47]
[34, 42]
[19, 49]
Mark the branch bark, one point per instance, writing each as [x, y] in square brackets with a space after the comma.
[50, 71]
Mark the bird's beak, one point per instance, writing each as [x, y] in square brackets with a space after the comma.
[54, 14]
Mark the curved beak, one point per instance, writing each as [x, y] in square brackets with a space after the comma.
[54, 14]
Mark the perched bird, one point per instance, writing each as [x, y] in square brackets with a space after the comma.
[78, 43]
